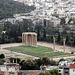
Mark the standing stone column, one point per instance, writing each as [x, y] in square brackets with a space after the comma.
[26, 40]
[54, 43]
[13, 61]
[64, 44]
[32, 40]
[16, 60]
[36, 40]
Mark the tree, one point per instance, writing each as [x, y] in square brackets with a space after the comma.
[14, 31]
[60, 60]
[38, 62]
[52, 62]
[38, 33]
[29, 65]
[62, 21]
[58, 37]
[54, 72]
[48, 73]
[14, 7]
[38, 30]
[73, 60]
[51, 72]
[1, 29]
[22, 62]
[12, 40]
[45, 60]
[67, 39]
[44, 33]
[2, 56]
[69, 21]
[74, 41]
[41, 74]
[2, 61]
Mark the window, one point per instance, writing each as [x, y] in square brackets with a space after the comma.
[73, 70]
[59, 70]
[60, 67]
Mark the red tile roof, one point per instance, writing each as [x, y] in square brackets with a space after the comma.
[2, 73]
[35, 18]
[72, 65]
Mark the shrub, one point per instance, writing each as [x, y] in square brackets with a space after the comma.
[2, 56]
[72, 52]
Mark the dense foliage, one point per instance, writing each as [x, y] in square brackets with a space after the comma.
[44, 33]
[35, 64]
[10, 7]
[2, 56]
[52, 72]
[14, 31]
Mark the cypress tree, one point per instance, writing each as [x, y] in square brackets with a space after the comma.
[44, 34]
[58, 37]
[74, 42]
[38, 33]
[67, 39]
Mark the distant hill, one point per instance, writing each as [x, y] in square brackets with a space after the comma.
[10, 7]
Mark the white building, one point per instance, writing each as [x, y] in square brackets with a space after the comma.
[66, 68]
[72, 69]
[3, 68]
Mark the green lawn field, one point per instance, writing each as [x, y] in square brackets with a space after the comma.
[36, 51]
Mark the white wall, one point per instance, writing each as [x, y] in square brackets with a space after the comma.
[72, 71]
[61, 71]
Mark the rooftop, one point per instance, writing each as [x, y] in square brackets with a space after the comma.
[72, 65]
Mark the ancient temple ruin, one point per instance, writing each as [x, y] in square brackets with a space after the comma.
[29, 39]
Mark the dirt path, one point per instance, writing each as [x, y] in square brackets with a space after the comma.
[58, 47]
[25, 56]
[8, 53]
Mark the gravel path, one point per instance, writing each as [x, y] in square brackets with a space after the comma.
[25, 56]
[59, 48]
[8, 53]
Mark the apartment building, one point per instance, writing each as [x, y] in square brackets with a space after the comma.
[66, 68]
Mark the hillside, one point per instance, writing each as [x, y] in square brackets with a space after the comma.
[10, 7]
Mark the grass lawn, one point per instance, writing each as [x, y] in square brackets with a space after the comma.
[36, 51]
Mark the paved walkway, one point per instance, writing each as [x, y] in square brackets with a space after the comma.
[25, 56]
